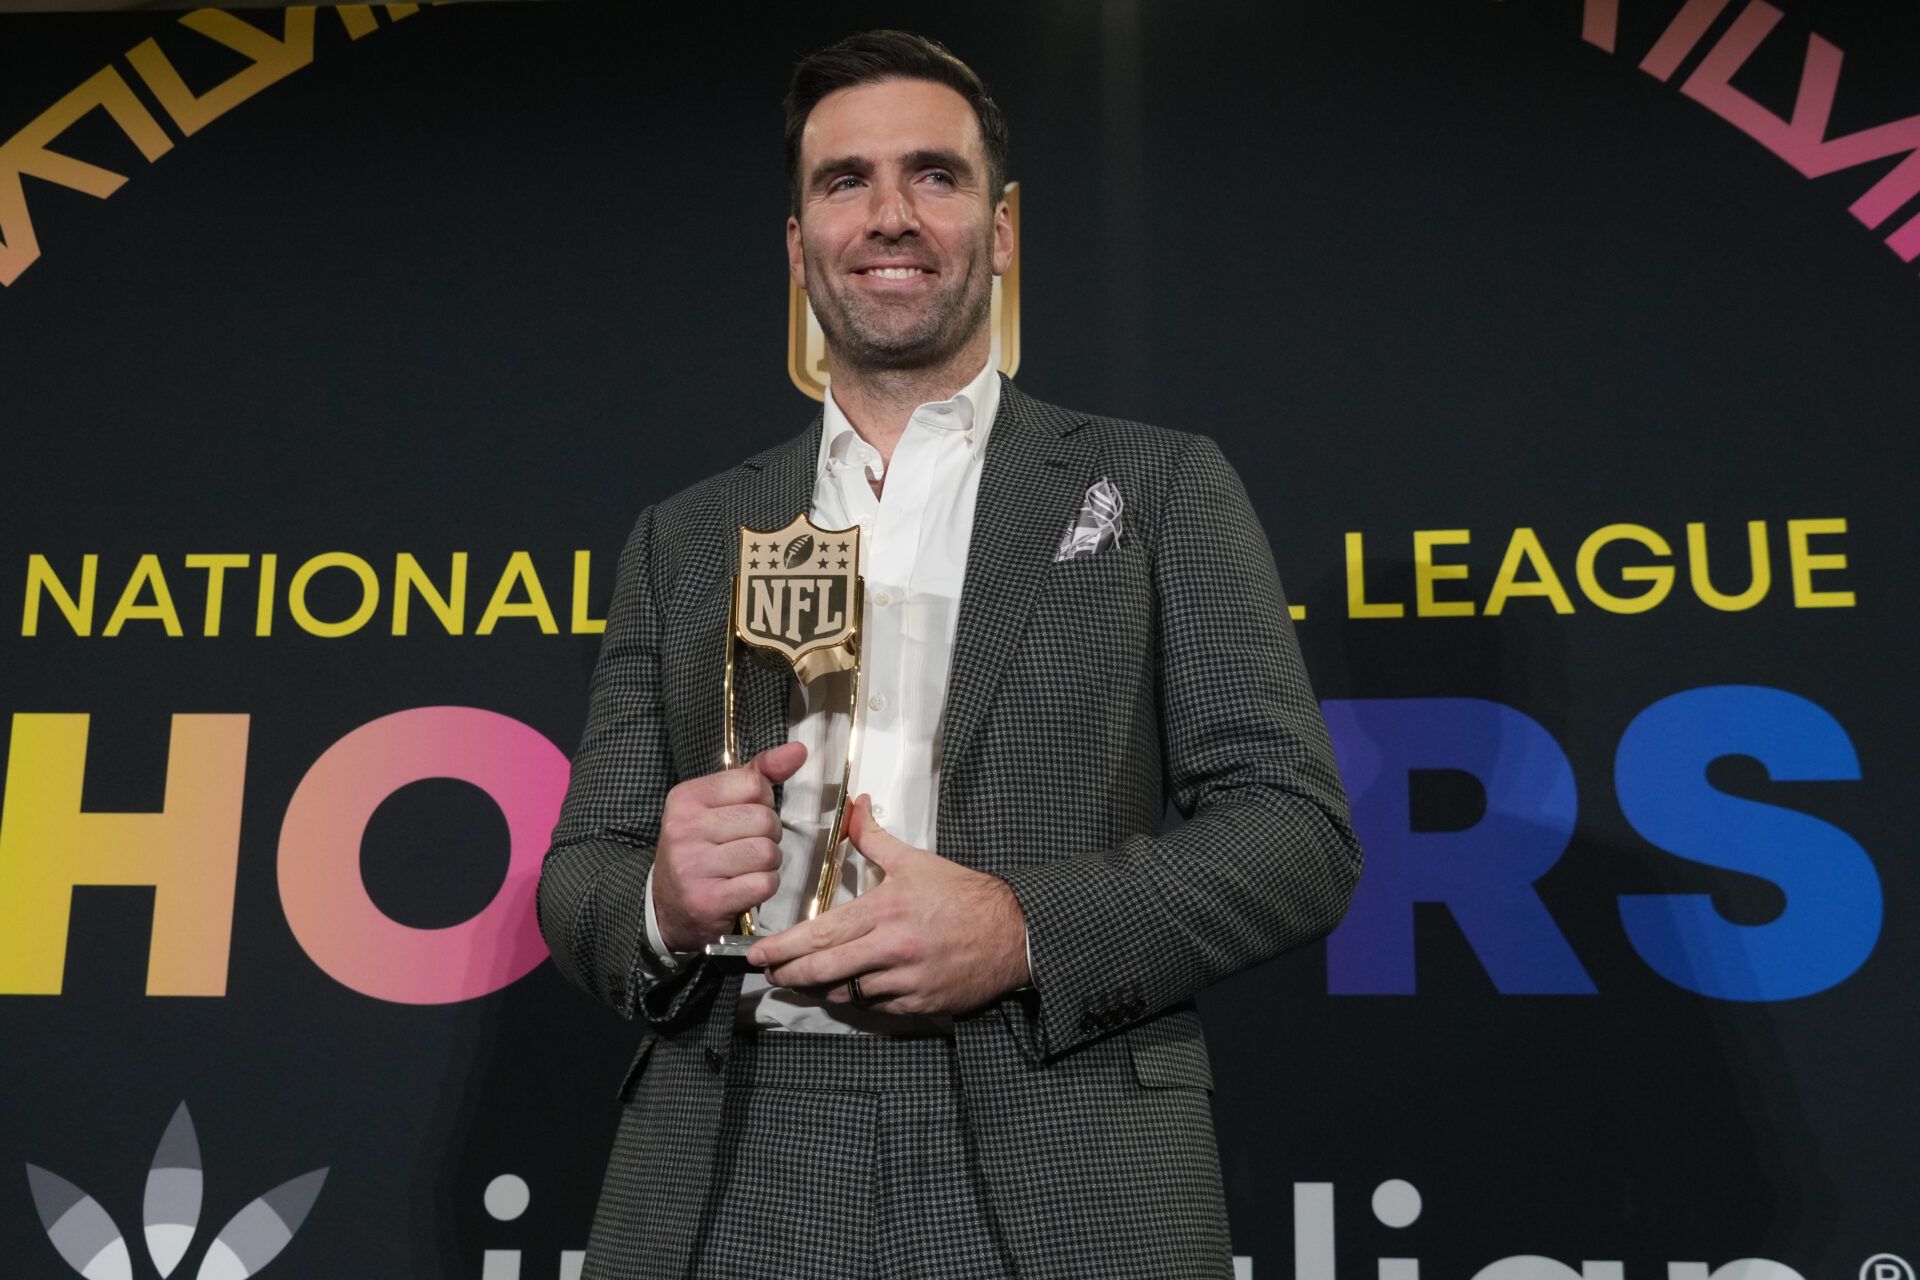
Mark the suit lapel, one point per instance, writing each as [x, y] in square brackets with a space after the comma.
[774, 486]
[1032, 483]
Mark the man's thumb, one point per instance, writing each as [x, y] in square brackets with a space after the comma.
[875, 843]
[777, 764]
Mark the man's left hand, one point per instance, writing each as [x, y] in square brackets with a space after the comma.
[931, 937]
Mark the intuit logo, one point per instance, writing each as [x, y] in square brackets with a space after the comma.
[85, 1237]
[1397, 1204]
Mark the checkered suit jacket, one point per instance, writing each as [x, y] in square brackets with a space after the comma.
[1083, 694]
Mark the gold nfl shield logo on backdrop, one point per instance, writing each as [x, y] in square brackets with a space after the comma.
[807, 345]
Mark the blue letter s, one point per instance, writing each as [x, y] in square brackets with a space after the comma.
[1832, 916]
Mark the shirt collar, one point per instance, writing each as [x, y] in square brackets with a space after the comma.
[970, 411]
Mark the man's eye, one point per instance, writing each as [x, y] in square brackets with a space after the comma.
[941, 175]
[838, 184]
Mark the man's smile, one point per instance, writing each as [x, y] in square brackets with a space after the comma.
[904, 272]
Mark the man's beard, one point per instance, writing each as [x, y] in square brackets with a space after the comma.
[862, 335]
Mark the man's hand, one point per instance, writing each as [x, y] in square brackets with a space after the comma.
[719, 850]
[932, 937]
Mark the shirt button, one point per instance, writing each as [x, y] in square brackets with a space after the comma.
[882, 599]
[878, 702]
[866, 522]
[880, 812]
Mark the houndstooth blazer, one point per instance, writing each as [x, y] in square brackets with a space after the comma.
[1084, 693]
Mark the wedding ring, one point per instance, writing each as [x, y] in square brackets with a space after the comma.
[853, 989]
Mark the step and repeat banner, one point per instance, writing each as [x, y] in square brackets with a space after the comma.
[1567, 351]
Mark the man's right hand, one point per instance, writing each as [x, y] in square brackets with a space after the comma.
[719, 850]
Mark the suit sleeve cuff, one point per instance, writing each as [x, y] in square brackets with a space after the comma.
[672, 960]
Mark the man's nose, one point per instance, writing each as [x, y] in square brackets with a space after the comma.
[890, 211]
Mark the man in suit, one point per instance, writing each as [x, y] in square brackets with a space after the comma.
[988, 1062]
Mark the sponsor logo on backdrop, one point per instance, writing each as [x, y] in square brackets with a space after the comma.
[506, 1200]
[1886, 1266]
[83, 1233]
[270, 59]
[1801, 136]
[1397, 1205]
[807, 345]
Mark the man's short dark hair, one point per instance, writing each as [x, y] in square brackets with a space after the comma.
[873, 56]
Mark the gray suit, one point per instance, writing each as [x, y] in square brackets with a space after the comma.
[1083, 694]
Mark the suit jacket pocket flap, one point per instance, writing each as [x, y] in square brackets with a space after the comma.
[1169, 1051]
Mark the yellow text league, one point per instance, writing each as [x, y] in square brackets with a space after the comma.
[1618, 568]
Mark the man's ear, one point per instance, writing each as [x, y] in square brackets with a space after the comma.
[796, 260]
[1002, 239]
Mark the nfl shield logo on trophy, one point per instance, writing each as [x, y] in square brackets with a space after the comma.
[799, 595]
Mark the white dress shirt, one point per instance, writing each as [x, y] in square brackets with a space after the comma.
[913, 554]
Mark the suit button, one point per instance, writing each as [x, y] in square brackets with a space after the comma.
[1089, 1023]
[716, 1061]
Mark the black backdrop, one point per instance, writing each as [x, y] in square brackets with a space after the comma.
[487, 280]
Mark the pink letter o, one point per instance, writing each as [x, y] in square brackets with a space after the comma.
[326, 901]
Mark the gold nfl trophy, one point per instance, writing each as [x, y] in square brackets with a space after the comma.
[798, 598]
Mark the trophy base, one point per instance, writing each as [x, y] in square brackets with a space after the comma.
[730, 952]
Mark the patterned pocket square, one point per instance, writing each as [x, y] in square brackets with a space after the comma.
[1098, 526]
